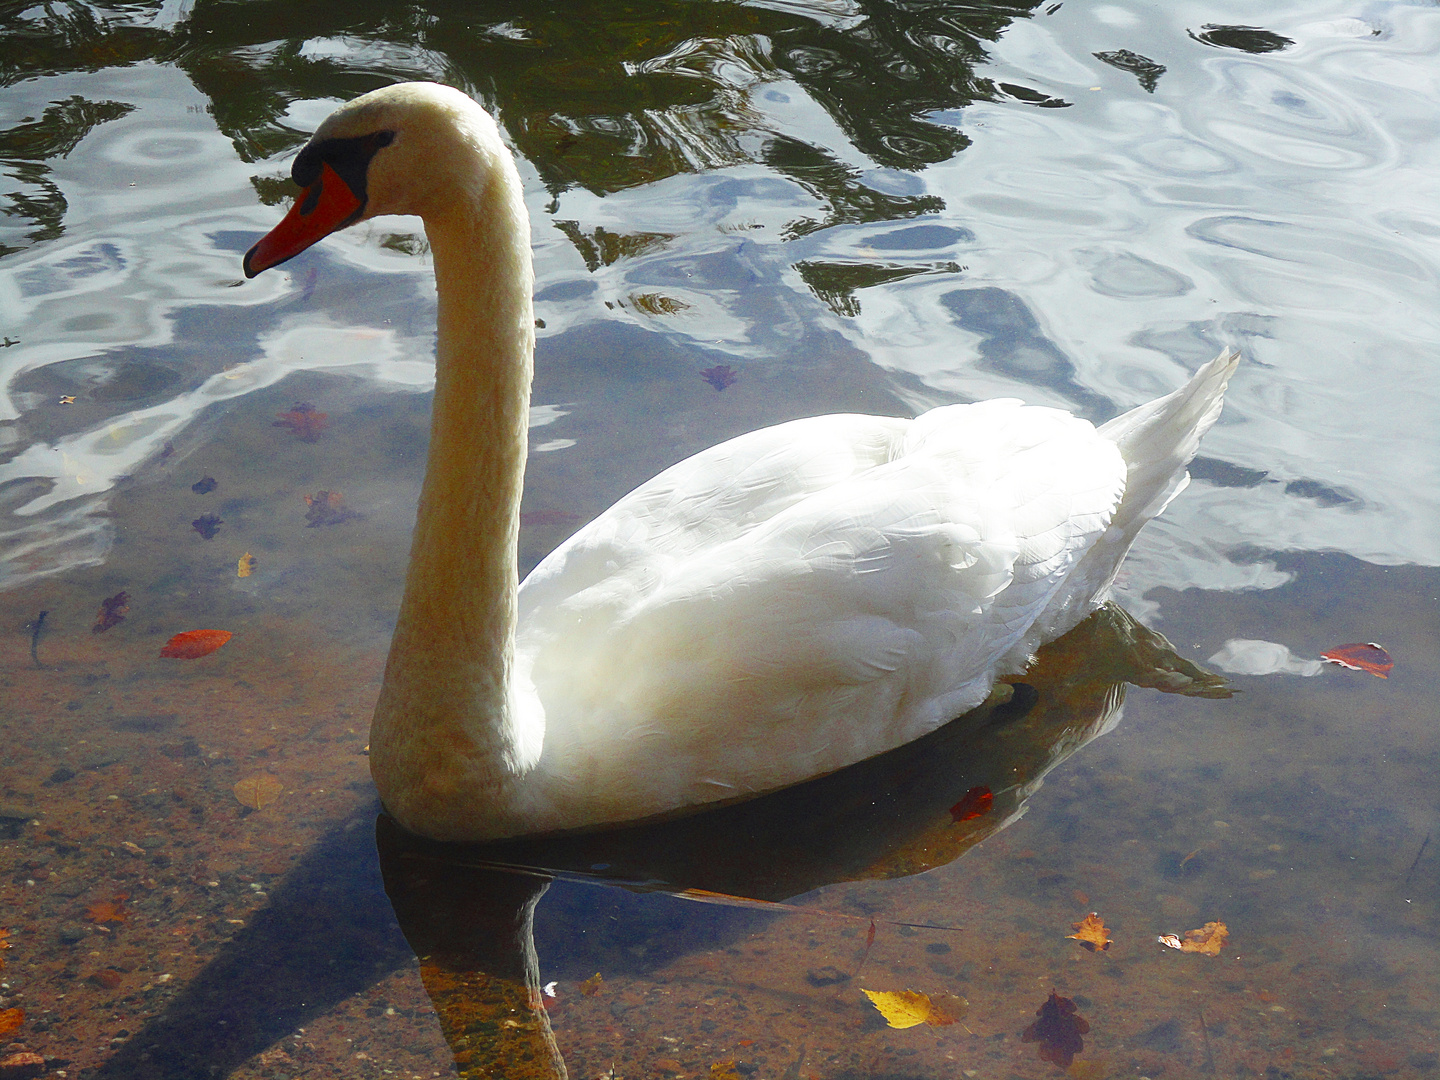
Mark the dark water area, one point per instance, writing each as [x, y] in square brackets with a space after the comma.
[743, 213]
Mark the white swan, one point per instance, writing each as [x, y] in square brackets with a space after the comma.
[772, 609]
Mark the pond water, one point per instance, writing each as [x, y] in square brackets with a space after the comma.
[743, 213]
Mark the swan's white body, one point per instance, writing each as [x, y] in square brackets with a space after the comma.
[772, 609]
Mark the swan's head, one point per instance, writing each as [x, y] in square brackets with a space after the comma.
[402, 149]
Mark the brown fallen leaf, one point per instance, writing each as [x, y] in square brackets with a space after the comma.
[193, 644]
[326, 508]
[907, 1008]
[1209, 939]
[106, 978]
[10, 1019]
[1091, 932]
[108, 911]
[258, 791]
[4, 944]
[591, 986]
[22, 1063]
[304, 421]
[112, 612]
[1058, 1031]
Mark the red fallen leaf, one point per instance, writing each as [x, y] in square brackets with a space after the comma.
[193, 644]
[304, 421]
[720, 376]
[974, 803]
[112, 612]
[1360, 657]
[207, 525]
[108, 911]
[1057, 1031]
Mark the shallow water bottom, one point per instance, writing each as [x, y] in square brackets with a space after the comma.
[160, 927]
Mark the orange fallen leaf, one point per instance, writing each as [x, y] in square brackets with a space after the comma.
[108, 911]
[4, 933]
[11, 1019]
[193, 644]
[1209, 939]
[1361, 657]
[258, 791]
[1058, 1031]
[591, 986]
[1091, 932]
[907, 1008]
[327, 508]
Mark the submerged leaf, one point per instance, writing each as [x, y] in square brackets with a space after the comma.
[258, 791]
[10, 1019]
[193, 644]
[907, 1008]
[591, 986]
[204, 485]
[1058, 1031]
[108, 911]
[112, 612]
[1091, 932]
[326, 508]
[974, 803]
[720, 376]
[304, 421]
[207, 525]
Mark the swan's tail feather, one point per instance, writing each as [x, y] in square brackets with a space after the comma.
[1157, 440]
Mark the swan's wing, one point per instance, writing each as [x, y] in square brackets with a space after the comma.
[855, 584]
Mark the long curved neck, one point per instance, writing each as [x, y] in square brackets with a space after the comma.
[443, 733]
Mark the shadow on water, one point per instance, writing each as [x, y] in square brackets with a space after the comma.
[468, 912]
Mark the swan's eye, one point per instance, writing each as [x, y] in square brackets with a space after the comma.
[383, 138]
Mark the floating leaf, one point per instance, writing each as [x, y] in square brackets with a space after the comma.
[1058, 1031]
[1209, 939]
[304, 421]
[326, 508]
[204, 485]
[246, 566]
[591, 986]
[1091, 932]
[974, 803]
[112, 612]
[108, 911]
[907, 1008]
[10, 1019]
[720, 376]
[1361, 657]
[658, 304]
[193, 644]
[258, 791]
[207, 525]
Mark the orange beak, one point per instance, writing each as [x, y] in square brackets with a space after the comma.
[326, 205]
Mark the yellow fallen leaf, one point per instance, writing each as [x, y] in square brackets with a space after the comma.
[1091, 932]
[724, 1070]
[591, 986]
[1209, 939]
[907, 1008]
[1088, 1070]
[258, 791]
[247, 564]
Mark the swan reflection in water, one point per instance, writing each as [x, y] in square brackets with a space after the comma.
[468, 911]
